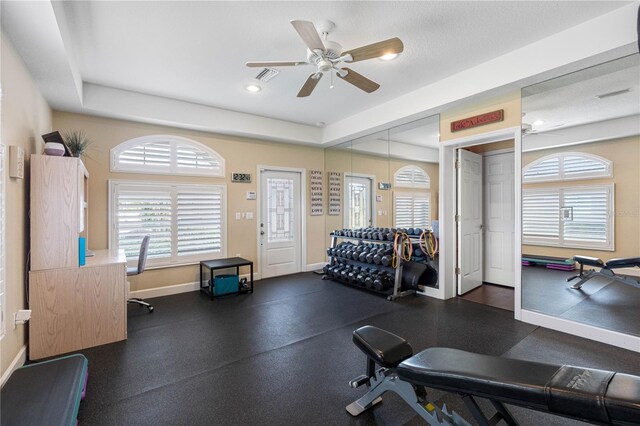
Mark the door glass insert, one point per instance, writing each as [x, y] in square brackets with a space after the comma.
[280, 215]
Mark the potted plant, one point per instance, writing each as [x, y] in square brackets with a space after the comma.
[77, 142]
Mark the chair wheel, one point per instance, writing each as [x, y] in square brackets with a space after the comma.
[150, 309]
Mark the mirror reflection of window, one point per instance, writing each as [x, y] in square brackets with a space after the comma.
[581, 194]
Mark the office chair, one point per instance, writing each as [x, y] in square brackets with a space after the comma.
[136, 270]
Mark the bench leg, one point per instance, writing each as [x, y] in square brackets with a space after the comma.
[383, 382]
[583, 279]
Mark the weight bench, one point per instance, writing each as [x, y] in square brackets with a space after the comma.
[46, 393]
[595, 396]
[606, 270]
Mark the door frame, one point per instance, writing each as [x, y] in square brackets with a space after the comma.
[372, 205]
[303, 211]
[447, 211]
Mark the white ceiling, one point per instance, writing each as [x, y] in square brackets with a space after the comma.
[195, 51]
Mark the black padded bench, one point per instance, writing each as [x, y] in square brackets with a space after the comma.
[46, 393]
[596, 396]
[606, 270]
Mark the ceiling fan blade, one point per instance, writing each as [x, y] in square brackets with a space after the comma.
[274, 64]
[375, 50]
[360, 81]
[309, 85]
[309, 34]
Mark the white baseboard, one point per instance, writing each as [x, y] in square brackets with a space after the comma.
[169, 290]
[314, 266]
[17, 362]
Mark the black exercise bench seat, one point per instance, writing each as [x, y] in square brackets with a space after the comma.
[606, 270]
[596, 396]
[46, 393]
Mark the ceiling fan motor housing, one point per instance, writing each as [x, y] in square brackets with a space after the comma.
[333, 50]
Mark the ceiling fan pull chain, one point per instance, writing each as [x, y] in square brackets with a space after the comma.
[331, 84]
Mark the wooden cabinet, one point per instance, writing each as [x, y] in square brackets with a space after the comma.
[73, 307]
[58, 211]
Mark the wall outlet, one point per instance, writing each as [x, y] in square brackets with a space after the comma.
[249, 215]
[238, 215]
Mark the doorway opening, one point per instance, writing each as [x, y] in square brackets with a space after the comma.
[485, 219]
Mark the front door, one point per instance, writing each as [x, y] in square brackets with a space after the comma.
[358, 205]
[469, 218]
[499, 204]
[280, 223]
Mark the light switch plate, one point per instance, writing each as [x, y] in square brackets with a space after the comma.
[16, 162]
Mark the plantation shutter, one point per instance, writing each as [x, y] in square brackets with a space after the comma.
[191, 157]
[590, 210]
[412, 177]
[412, 210]
[185, 222]
[403, 211]
[540, 214]
[164, 154]
[544, 170]
[199, 221]
[579, 165]
[154, 155]
[141, 211]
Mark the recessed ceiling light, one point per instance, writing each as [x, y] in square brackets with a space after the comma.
[538, 123]
[253, 88]
[388, 57]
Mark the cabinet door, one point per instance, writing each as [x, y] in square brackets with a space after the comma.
[54, 212]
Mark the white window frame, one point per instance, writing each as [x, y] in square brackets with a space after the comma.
[413, 194]
[173, 168]
[3, 254]
[609, 245]
[561, 176]
[413, 169]
[174, 259]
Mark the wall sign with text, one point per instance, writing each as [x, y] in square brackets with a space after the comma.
[316, 185]
[335, 193]
[478, 120]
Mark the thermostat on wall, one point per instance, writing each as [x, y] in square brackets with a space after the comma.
[251, 195]
[241, 177]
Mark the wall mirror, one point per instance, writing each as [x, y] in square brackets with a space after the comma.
[581, 196]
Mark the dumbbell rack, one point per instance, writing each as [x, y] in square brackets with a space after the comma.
[395, 292]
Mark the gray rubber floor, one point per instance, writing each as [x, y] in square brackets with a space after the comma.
[284, 356]
[600, 302]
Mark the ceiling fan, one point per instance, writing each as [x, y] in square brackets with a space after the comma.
[529, 130]
[327, 55]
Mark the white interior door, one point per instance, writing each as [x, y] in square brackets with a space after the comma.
[358, 201]
[469, 221]
[280, 223]
[499, 219]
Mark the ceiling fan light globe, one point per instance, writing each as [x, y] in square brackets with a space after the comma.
[388, 57]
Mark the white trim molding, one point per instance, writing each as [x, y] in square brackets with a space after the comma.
[18, 361]
[169, 290]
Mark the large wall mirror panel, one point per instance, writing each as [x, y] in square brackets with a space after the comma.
[581, 197]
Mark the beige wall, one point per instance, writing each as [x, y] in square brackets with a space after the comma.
[625, 154]
[25, 117]
[510, 103]
[241, 155]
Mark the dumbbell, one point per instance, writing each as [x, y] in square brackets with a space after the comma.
[352, 275]
[387, 259]
[383, 282]
[363, 254]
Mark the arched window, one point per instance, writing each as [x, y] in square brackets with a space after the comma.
[567, 166]
[412, 177]
[167, 155]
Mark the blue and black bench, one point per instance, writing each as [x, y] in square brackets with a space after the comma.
[591, 395]
[605, 270]
[45, 393]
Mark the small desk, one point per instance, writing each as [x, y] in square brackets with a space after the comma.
[232, 262]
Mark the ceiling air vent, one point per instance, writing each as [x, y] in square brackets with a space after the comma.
[267, 74]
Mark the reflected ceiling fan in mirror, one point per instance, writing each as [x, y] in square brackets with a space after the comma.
[328, 56]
